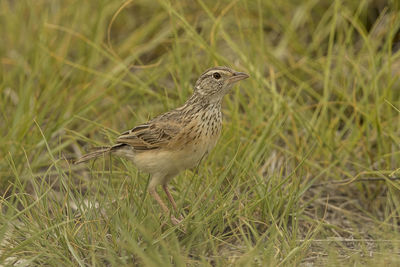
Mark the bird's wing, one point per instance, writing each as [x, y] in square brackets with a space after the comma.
[152, 135]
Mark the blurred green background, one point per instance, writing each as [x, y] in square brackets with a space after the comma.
[306, 170]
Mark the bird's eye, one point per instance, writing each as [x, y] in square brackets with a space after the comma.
[216, 75]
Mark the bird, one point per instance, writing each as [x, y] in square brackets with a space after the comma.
[178, 139]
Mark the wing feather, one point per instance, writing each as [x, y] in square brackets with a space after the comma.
[150, 136]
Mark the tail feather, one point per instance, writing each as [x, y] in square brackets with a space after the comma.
[92, 155]
[99, 151]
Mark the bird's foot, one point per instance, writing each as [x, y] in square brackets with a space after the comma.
[176, 221]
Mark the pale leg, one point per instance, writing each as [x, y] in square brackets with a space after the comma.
[153, 193]
[171, 199]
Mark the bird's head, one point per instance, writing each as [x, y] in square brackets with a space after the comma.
[216, 82]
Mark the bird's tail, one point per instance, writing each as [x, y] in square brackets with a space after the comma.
[100, 151]
[94, 154]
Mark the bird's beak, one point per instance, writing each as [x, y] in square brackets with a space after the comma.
[237, 76]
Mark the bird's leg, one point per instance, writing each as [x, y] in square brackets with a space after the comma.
[170, 198]
[154, 194]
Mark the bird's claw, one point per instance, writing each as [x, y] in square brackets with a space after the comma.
[176, 221]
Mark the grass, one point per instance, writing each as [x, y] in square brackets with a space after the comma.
[291, 181]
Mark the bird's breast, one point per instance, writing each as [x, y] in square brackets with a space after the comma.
[200, 137]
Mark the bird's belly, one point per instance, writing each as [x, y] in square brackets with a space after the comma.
[173, 161]
[190, 156]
